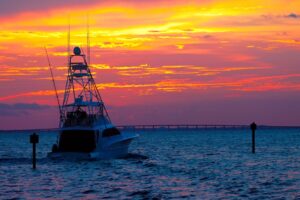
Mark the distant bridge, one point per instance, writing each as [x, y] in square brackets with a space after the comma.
[195, 127]
[180, 127]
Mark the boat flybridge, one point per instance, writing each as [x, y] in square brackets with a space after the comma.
[85, 129]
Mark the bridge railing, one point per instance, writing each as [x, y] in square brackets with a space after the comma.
[180, 127]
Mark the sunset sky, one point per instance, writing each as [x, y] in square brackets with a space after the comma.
[155, 62]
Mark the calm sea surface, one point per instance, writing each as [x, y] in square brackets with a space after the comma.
[202, 164]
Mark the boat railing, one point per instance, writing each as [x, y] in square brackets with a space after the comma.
[86, 121]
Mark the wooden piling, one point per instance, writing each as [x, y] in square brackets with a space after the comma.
[34, 139]
[253, 128]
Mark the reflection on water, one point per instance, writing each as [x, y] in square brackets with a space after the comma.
[204, 164]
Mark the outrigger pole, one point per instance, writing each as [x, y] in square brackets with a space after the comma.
[88, 39]
[53, 81]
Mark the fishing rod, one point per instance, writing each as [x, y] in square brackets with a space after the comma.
[53, 81]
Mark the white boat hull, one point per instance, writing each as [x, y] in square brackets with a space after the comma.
[116, 150]
[108, 148]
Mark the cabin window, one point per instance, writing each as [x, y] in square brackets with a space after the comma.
[110, 132]
[77, 141]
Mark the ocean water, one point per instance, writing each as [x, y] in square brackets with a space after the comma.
[201, 164]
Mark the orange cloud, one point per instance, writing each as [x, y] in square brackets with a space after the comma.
[145, 47]
[147, 70]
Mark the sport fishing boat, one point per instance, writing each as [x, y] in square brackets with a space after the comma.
[85, 129]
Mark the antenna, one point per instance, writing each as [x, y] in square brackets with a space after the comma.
[53, 81]
[88, 40]
[69, 40]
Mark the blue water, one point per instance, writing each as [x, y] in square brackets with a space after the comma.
[202, 164]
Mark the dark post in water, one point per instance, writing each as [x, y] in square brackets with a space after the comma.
[253, 128]
[34, 139]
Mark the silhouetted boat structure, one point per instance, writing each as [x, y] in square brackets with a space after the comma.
[85, 129]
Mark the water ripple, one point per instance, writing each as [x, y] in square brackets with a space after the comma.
[163, 165]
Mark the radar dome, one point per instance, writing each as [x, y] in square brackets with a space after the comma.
[77, 51]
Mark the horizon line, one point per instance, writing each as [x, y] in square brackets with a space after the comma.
[164, 126]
